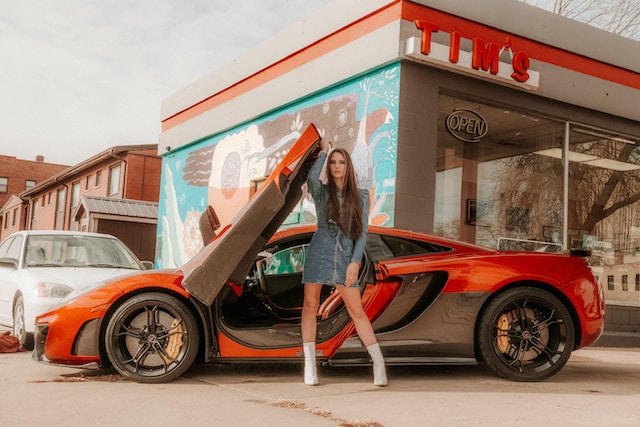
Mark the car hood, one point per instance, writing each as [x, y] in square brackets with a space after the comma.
[77, 278]
[233, 251]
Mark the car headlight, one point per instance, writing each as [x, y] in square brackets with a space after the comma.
[53, 290]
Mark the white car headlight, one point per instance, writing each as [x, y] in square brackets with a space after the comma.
[53, 290]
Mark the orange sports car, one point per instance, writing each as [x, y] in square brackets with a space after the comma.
[430, 300]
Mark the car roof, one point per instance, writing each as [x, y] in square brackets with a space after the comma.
[456, 245]
[59, 233]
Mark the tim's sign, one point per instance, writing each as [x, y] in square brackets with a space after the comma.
[466, 125]
[483, 60]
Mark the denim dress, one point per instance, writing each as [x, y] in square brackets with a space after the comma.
[330, 250]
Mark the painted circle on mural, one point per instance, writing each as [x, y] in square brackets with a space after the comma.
[230, 175]
[342, 117]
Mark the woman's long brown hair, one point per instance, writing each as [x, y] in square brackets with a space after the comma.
[349, 218]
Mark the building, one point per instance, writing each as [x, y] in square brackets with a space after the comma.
[114, 192]
[493, 122]
[18, 175]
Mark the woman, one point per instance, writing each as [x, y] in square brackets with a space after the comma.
[335, 253]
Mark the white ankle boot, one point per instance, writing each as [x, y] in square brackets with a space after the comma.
[379, 370]
[310, 367]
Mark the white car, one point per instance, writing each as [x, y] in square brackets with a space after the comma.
[39, 268]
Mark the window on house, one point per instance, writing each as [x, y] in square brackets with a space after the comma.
[15, 217]
[42, 201]
[87, 185]
[625, 283]
[29, 183]
[4, 184]
[49, 198]
[610, 282]
[59, 220]
[114, 180]
[75, 194]
[6, 220]
[34, 215]
[637, 282]
[98, 178]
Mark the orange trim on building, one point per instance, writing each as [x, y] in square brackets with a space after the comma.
[353, 31]
[401, 9]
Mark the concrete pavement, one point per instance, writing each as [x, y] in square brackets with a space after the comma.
[599, 386]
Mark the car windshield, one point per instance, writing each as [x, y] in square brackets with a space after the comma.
[78, 251]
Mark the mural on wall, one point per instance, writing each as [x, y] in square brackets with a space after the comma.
[223, 169]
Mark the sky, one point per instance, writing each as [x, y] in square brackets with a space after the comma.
[80, 76]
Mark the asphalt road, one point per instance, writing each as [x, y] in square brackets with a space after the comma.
[599, 386]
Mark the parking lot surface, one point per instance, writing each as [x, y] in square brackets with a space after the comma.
[599, 386]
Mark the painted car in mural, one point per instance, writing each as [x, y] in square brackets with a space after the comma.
[430, 300]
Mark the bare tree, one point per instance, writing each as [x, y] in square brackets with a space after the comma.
[620, 17]
[603, 198]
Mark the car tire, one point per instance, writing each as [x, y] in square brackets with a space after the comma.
[525, 334]
[152, 338]
[25, 338]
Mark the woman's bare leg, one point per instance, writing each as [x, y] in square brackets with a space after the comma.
[309, 327]
[353, 301]
[310, 311]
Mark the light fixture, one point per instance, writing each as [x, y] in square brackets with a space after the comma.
[590, 160]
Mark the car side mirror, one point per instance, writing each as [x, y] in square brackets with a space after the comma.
[148, 265]
[8, 263]
[208, 223]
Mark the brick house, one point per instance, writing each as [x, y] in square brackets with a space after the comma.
[114, 192]
[17, 175]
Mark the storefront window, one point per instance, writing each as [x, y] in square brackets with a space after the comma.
[604, 207]
[501, 182]
[496, 183]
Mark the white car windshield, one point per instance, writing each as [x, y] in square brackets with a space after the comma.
[77, 251]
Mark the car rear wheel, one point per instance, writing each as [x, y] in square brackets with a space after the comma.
[152, 338]
[526, 334]
[25, 338]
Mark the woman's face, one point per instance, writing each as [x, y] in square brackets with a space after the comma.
[337, 167]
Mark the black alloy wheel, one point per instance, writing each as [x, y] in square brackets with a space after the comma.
[152, 338]
[526, 334]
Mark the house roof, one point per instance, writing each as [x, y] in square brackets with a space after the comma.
[80, 168]
[117, 207]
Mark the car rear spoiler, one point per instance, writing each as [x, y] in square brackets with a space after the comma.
[583, 252]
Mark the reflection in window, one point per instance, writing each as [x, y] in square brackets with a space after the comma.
[286, 261]
[499, 189]
[604, 191]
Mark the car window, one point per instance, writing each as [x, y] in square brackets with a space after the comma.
[286, 261]
[381, 247]
[4, 246]
[13, 248]
[78, 251]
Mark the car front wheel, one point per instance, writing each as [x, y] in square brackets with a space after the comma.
[152, 338]
[19, 331]
[526, 334]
